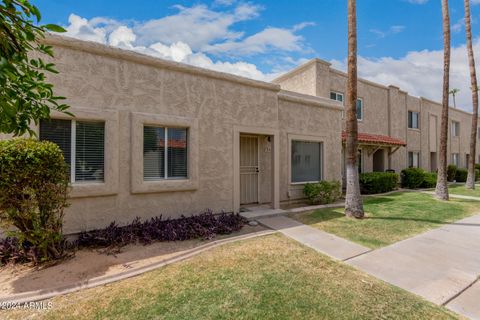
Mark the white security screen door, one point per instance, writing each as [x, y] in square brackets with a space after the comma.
[248, 169]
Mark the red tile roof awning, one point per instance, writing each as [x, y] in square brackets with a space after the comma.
[376, 139]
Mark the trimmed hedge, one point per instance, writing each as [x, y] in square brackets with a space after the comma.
[324, 192]
[451, 172]
[34, 183]
[378, 182]
[461, 175]
[429, 180]
[412, 178]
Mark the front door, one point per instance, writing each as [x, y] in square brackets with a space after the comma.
[248, 169]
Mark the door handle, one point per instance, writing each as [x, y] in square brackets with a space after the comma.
[257, 170]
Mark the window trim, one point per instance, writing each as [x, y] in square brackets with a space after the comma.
[457, 133]
[458, 159]
[322, 140]
[109, 186]
[361, 118]
[418, 120]
[138, 184]
[338, 93]
[166, 128]
[408, 158]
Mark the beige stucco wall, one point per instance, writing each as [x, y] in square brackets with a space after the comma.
[385, 112]
[309, 122]
[129, 90]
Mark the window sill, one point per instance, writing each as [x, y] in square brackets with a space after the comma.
[168, 185]
[303, 183]
[91, 189]
[414, 129]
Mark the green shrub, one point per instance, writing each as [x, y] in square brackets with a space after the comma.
[323, 192]
[412, 178]
[461, 175]
[477, 174]
[378, 182]
[33, 194]
[429, 180]
[451, 172]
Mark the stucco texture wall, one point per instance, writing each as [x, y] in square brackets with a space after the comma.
[129, 90]
[101, 82]
[309, 123]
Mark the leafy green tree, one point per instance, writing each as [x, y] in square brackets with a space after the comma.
[25, 95]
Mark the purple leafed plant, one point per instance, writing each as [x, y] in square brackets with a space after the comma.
[203, 226]
[112, 238]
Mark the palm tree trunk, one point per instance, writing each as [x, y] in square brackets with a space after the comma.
[353, 201]
[473, 78]
[441, 190]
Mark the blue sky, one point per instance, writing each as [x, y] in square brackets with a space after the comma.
[400, 41]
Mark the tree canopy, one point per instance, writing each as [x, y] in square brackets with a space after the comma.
[25, 94]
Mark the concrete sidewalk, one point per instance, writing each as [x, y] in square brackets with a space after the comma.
[439, 265]
[329, 244]
[457, 196]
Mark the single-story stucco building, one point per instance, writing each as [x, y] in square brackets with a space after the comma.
[153, 137]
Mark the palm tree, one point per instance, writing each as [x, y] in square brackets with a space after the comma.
[353, 201]
[473, 78]
[454, 92]
[441, 191]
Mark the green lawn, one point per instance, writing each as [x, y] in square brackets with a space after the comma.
[390, 218]
[270, 277]
[461, 190]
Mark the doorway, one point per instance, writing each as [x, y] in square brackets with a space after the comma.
[379, 161]
[249, 169]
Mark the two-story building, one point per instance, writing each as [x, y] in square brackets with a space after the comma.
[396, 130]
[153, 137]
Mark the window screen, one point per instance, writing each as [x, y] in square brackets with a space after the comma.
[359, 109]
[165, 153]
[153, 153]
[59, 132]
[177, 153]
[306, 161]
[89, 151]
[413, 160]
[85, 153]
[413, 122]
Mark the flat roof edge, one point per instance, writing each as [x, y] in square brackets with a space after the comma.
[133, 56]
[309, 100]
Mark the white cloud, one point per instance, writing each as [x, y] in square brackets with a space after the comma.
[420, 73]
[193, 33]
[224, 2]
[392, 30]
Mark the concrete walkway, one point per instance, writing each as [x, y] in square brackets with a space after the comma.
[441, 265]
[329, 244]
[458, 196]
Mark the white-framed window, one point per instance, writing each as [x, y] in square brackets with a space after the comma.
[337, 96]
[82, 144]
[413, 120]
[413, 159]
[455, 129]
[456, 159]
[165, 153]
[359, 109]
[306, 161]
